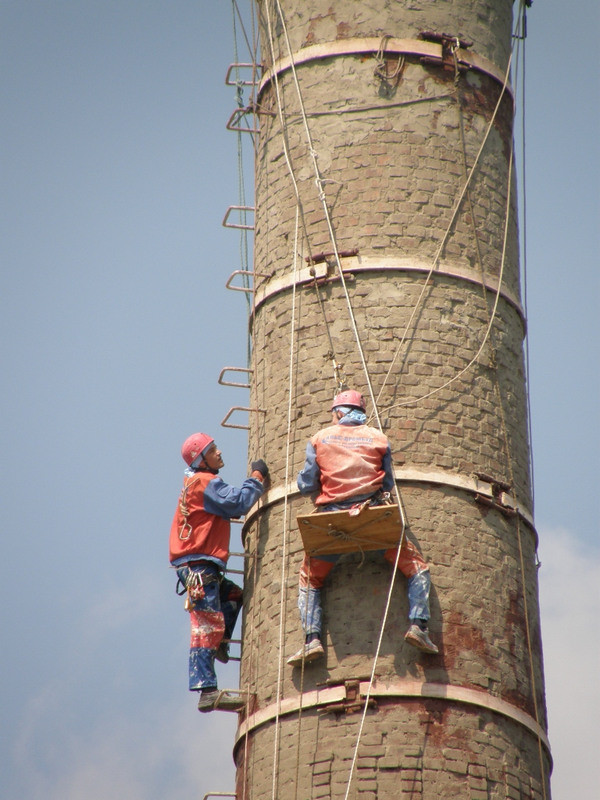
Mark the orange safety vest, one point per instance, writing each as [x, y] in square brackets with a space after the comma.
[195, 532]
[350, 460]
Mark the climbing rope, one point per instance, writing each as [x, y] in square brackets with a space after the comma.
[285, 527]
[339, 377]
[337, 368]
[440, 249]
[186, 529]
[299, 217]
[319, 184]
[388, 80]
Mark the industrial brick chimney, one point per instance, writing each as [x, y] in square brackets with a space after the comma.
[386, 256]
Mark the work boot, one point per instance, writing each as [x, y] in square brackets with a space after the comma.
[213, 699]
[307, 653]
[420, 639]
[207, 699]
[222, 653]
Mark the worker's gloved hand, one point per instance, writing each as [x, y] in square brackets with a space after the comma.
[260, 466]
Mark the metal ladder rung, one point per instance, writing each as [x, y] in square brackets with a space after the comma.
[240, 65]
[226, 424]
[233, 641]
[240, 225]
[223, 382]
[219, 794]
[248, 289]
[234, 121]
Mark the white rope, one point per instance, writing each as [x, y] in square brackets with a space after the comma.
[280, 108]
[321, 194]
[318, 181]
[455, 210]
[284, 555]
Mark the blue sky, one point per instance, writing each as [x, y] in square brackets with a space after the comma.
[117, 170]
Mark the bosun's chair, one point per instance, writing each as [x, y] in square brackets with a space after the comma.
[358, 529]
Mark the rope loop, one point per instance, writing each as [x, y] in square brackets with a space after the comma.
[381, 68]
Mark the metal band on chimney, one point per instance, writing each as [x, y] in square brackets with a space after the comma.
[468, 483]
[354, 265]
[401, 690]
[406, 47]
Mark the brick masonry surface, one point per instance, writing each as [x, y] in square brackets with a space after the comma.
[393, 156]
[416, 749]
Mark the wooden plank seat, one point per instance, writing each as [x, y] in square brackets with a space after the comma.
[366, 528]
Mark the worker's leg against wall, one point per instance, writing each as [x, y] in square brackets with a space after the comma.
[207, 629]
[418, 595]
[312, 577]
[231, 604]
[412, 564]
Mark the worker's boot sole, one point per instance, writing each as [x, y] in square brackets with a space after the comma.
[420, 639]
[309, 652]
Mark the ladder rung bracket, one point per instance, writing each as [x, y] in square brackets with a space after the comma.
[219, 794]
[249, 272]
[247, 289]
[238, 225]
[234, 121]
[246, 696]
[226, 424]
[223, 382]
[236, 81]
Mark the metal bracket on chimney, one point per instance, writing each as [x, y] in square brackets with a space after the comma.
[352, 702]
[450, 46]
[500, 499]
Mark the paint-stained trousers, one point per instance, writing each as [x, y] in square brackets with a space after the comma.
[213, 610]
[314, 571]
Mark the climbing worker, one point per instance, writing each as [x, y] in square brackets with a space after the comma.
[349, 463]
[199, 549]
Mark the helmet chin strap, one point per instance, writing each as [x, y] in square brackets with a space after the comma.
[202, 466]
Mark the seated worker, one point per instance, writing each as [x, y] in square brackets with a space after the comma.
[348, 463]
[199, 549]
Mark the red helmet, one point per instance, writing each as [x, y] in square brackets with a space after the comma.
[349, 398]
[194, 446]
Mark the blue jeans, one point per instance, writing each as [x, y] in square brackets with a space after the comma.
[214, 605]
[309, 601]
